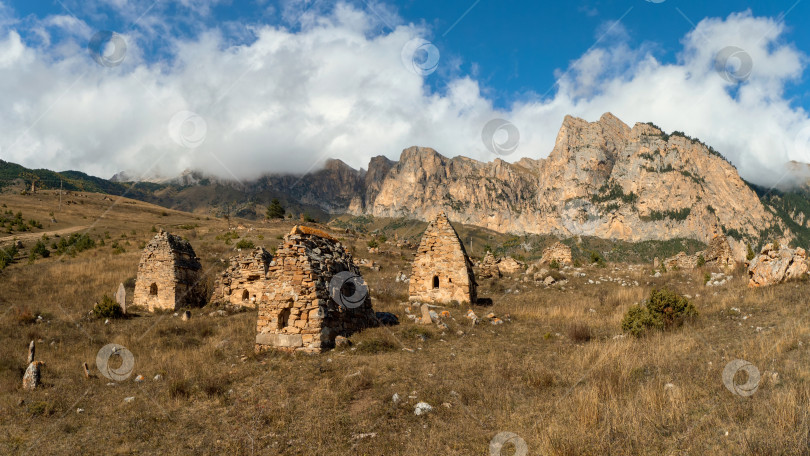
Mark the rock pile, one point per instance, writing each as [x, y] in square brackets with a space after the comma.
[298, 312]
[559, 252]
[509, 265]
[488, 268]
[681, 261]
[774, 266]
[442, 272]
[245, 280]
[719, 253]
[168, 275]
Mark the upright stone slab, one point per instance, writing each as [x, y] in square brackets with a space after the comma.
[442, 271]
[168, 275]
[121, 297]
[297, 312]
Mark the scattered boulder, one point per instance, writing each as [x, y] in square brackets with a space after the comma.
[422, 408]
[774, 266]
[186, 315]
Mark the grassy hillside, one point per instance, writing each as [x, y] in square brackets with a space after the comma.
[557, 372]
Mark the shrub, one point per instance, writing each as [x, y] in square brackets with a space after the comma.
[598, 259]
[776, 245]
[749, 255]
[663, 310]
[107, 308]
[701, 261]
[554, 264]
[372, 244]
[244, 244]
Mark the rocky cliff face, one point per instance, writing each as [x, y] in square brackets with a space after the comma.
[602, 179]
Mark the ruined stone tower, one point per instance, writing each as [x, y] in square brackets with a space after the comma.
[245, 280]
[442, 272]
[299, 311]
[168, 275]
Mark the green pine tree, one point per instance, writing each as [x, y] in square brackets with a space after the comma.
[275, 210]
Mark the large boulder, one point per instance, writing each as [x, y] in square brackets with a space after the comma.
[774, 266]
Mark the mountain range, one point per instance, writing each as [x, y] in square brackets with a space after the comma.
[603, 179]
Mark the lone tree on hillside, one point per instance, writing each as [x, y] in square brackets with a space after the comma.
[275, 210]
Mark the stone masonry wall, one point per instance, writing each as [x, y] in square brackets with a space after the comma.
[296, 313]
[245, 280]
[442, 272]
[170, 268]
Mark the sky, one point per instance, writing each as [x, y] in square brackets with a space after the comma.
[238, 89]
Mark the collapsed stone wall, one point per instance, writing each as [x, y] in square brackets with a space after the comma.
[442, 271]
[169, 275]
[297, 312]
[559, 252]
[245, 280]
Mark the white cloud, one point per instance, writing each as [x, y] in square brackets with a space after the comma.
[337, 88]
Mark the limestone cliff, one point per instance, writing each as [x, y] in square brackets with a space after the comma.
[602, 179]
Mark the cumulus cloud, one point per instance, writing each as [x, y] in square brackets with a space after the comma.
[331, 84]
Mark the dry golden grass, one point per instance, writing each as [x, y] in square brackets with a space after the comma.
[662, 394]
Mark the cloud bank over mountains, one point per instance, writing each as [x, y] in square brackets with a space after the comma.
[332, 83]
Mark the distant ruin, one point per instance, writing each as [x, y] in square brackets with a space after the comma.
[442, 271]
[245, 280]
[298, 311]
[168, 275]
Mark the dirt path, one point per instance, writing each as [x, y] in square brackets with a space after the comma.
[34, 236]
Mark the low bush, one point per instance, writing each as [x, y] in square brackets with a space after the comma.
[663, 310]
[107, 308]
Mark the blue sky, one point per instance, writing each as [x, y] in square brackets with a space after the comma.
[281, 85]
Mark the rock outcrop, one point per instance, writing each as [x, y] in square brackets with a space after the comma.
[602, 179]
[442, 271]
[774, 266]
